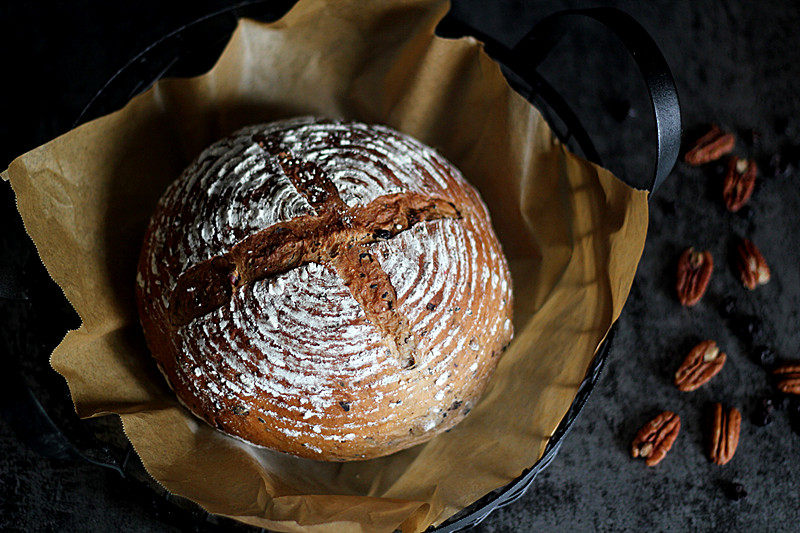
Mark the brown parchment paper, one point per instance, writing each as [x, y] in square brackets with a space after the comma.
[572, 231]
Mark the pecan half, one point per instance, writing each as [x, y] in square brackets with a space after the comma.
[694, 273]
[788, 378]
[703, 363]
[753, 268]
[740, 181]
[724, 439]
[655, 439]
[710, 147]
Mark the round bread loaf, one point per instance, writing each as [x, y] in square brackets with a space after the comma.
[333, 290]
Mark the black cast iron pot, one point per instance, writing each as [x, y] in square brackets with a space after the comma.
[32, 397]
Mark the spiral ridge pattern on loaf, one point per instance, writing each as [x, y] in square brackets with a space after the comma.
[293, 361]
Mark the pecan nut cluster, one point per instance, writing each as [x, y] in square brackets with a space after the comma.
[706, 360]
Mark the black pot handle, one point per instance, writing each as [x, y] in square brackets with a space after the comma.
[524, 58]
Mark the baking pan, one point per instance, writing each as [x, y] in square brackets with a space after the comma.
[35, 401]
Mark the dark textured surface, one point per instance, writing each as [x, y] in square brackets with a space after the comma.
[735, 63]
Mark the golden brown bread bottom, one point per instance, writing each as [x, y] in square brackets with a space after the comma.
[331, 290]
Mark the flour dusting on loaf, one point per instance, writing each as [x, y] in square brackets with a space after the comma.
[328, 289]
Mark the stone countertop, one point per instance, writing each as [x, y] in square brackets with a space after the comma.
[736, 63]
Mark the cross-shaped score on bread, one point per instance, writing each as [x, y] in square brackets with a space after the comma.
[338, 235]
[326, 289]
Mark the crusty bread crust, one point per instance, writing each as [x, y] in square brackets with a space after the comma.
[327, 289]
